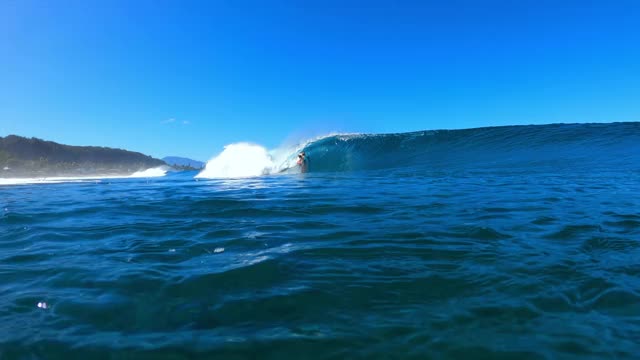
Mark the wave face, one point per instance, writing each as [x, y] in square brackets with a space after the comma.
[508, 146]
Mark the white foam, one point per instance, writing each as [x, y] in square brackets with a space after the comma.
[153, 172]
[52, 180]
[239, 160]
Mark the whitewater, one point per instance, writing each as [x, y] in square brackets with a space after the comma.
[147, 173]
[241, 160]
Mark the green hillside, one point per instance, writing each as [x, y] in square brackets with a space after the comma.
[24, 157]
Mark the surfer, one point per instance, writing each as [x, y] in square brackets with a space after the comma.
[303, 162]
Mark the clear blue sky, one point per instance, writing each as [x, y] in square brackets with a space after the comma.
[186, 78]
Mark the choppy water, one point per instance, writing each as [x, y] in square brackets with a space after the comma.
[531, 260]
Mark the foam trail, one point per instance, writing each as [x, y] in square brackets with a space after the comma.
[153, 172]
[53, 180]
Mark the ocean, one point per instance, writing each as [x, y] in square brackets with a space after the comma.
[518, 242]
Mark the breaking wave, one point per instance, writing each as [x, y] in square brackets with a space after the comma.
[242, 160]
[528, 146]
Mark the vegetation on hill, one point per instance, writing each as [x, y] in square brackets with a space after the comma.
[24, 157]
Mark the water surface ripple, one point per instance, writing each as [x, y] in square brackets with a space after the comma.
[376, 264]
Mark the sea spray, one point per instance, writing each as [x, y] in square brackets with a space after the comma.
[153, 172]
[239, 160]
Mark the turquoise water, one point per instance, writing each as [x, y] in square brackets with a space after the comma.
[511, 243]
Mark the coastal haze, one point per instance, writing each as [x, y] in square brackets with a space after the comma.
[183, 162]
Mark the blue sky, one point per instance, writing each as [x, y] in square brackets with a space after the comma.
[187, 77]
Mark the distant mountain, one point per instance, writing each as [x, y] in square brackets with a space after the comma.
[24, 157]
[177, 161]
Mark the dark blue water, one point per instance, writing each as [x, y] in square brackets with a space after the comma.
[516, 250]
